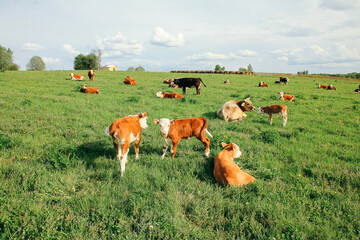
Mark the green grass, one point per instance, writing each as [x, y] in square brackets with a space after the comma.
[60, 179]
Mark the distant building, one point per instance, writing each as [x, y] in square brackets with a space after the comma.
[110, 68]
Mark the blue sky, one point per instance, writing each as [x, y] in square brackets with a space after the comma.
[321, 36]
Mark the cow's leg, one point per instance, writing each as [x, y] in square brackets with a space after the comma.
[184, 89]
[284, 117]
[206, 142]
[197, 90]
[270, 119]
[118, 151]
[165, 147]
[123, 159]
[137, 144]
[173, 148]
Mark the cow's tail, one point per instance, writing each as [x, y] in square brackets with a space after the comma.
[202, 82]
[205, 125]
[107, 131]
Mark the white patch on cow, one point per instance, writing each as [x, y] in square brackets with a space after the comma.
[159, 94]
[260, 110]
[143, 123]
[238, 152]
[207, 153]
[171, 150]
[164, 126]
[122, 141]
[133, 138]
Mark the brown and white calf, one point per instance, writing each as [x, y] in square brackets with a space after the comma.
[91, 75]
[85, 89]
[129, 80]
[226, 171]
[125, 131]
[168, 95]
[322, 86]
[76, 76]
[175, 130]
[286, 97]
[331, 87]
[262, 84]
[274, 109]
[227, 82]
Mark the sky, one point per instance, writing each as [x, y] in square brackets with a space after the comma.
[277, 36]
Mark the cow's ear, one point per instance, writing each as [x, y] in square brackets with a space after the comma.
[223, 144]
[172, 121]
[156, 121]
[243, 104]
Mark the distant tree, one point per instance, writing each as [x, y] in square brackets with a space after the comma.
[36, 64]
[90, 61]
[303, 72]
[250, 68]
[242, 69]
[6, 59]
[140, 69]
[130, 69]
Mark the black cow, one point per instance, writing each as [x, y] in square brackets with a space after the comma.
[284, 80]
[187, 82]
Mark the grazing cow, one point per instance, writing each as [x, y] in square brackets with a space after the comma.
[284, 80]
[168, 95]
[286, 97]
[183, 128]
[262, 84]
[235, 110]
[85, 89]
[227, 82]
[91, 75]
[76, 76]
[278, 82]
[129, 80]
[274, 109]
[125, 131]
[188, 82]
[226, 171]
[331, 87]
[322, 86]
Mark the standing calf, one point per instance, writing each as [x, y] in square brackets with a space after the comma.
[91, 75]
[274, 109]
[183, 128]
[125, 131]
[225, 169]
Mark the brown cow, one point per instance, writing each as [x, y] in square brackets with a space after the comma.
[168, 95]
[262, 84]
[129, 80]
[183, 128]
[286, 97]
[85, 89]
[76, 76]
[322, 86]
[226, 171]
[274, 109]
[235, 110]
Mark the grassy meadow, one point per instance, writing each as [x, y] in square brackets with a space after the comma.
[60, 179]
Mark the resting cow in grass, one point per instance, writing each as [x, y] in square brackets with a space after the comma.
[262, 84]
[168, 95]
[129, 80]
[85, 89]
[76, 76]
[286, 97]
[235, 110]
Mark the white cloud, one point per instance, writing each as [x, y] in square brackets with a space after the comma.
[50, 60]
[213, 56]
[31, 46]
[162, 38]
[340, 5]
[69, 49]
[119, 46]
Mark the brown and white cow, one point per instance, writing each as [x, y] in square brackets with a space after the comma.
[284, 80]
[129, 80]
[175, 130]
[262, 84]
[227, 82]
[322, 86]
[91, 75]
[235, 110]
[76, 76]
[167, 81]
[85, 89]
[274, 109]
[357, 90]
[331, 87]
[286, 97]
[125, 131]
[168, 95]
[226, 171]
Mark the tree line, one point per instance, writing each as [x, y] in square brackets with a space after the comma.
[241, 69]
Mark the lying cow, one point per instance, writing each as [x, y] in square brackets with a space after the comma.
[262, 84]
[167, 81]
[284, 80]
[286, 97]
[85, 89]
[91, 75]
[188, 82]
[168, 95]
[175, 130]
[277, 82]
[227, 82]
[76, 77]
[235, 110]
[274, 109]
[226, 171]
[331, 87]
[129, 80]
[322, 86]
[358, 90]
[125, 131]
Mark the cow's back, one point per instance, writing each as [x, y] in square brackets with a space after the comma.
[230, 111]
[122, 127]
[187, 127]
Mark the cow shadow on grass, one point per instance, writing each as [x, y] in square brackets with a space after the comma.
[89, 151]
[210, 115]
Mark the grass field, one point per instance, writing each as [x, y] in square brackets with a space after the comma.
[60, 179]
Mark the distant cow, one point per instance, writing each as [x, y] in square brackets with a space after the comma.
[227, 82]
[262, 84]
[277, 82]
[125, 131]
[167, 81]
[168, 95]
[322, 86]
[358, 90]
[91, 75]
[274, 109]
[188, 82]
[226, 171]
[235, 110]
[331, 87]
[286, 97]
[183, 128]
[85, 89]
[76, 76]
[284, 80]
[129, 80]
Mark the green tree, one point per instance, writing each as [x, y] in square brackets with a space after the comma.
[140, 69]
[130, 69]
[242, 69]
[250, 68]
[90, 61]
[218, 68]
[6, 59]
[36, 63]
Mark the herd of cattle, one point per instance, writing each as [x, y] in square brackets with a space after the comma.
[126, 130]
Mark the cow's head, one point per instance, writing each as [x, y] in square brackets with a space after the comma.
[159, 94]
[71, 75]
[164, 124]
[143, 118]
[247, 105]
[83, 86]
[281, 94]
[319, 85]
[232, 147]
